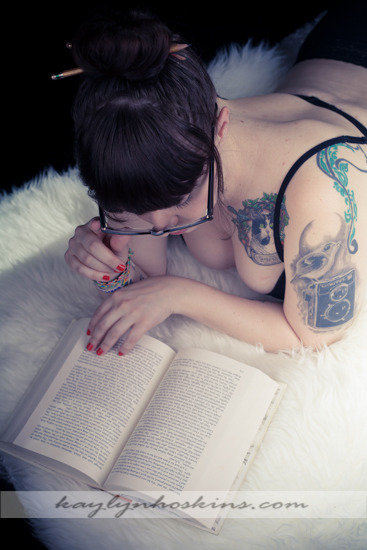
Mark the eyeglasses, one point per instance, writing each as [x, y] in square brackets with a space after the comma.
[127, 231]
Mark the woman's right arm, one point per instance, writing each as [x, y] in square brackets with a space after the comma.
[99, 256]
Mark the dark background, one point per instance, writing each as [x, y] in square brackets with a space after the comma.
[37, 126]
[36, 110]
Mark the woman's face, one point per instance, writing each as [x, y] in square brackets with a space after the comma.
[192, 207]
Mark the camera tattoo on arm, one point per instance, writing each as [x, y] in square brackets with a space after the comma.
[322, 273]
[324, 278]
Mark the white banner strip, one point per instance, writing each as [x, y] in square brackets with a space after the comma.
[208, 504]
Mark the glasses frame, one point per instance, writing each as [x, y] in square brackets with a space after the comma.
[206, 218]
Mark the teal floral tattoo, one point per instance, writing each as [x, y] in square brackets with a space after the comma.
[255, 226]
[336, 169]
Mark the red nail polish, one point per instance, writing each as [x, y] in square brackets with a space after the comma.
[120, 268]
[88, 332]
[106, 277]
[99, 351]
[89, 347]
[120, 353]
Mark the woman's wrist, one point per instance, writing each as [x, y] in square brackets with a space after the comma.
[187, 294]
[121, 279]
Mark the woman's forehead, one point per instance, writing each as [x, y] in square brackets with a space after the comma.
[118, 216]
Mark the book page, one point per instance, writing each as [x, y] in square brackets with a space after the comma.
[198, 427]
[93, 404]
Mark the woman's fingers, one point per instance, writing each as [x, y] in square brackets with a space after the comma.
[108, 324]
[137, 331]
[107, 249]
[138, 307]
[90, 255]
[114, 334]
[90, 268]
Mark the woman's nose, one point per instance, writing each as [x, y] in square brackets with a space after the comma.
[160, 219]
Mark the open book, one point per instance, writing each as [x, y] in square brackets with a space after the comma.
[152, 420]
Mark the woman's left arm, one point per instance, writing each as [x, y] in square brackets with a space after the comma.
[145, 304]
[248, 320]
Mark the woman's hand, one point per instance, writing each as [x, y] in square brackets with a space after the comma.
[94, 254]
[138, 307]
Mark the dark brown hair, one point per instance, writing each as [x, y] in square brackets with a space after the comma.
[143, 118]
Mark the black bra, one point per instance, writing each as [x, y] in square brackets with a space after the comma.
[279, 289]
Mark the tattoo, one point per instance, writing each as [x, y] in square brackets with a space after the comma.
[255, 224]
[323, 275]
[336, 169]
[324, 279]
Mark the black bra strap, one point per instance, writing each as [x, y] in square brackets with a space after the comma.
[316, 101]
[341, 139]
[289, 176]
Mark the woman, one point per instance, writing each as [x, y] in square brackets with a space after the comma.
[288, 175]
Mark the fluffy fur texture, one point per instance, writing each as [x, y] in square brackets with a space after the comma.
[318, 438]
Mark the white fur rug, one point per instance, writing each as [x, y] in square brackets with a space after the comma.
[318, 438]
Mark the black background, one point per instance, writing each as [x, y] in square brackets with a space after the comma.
[37, 128]
[36, 110]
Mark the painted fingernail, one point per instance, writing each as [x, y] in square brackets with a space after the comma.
[99, 351]
[120, 268]
[120, 353]
[106, 277]
[88, 332]
[90, 347]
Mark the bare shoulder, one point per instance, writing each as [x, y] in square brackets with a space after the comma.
[336, 82]
[325, 247]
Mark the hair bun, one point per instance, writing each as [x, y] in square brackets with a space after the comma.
[133, 46]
